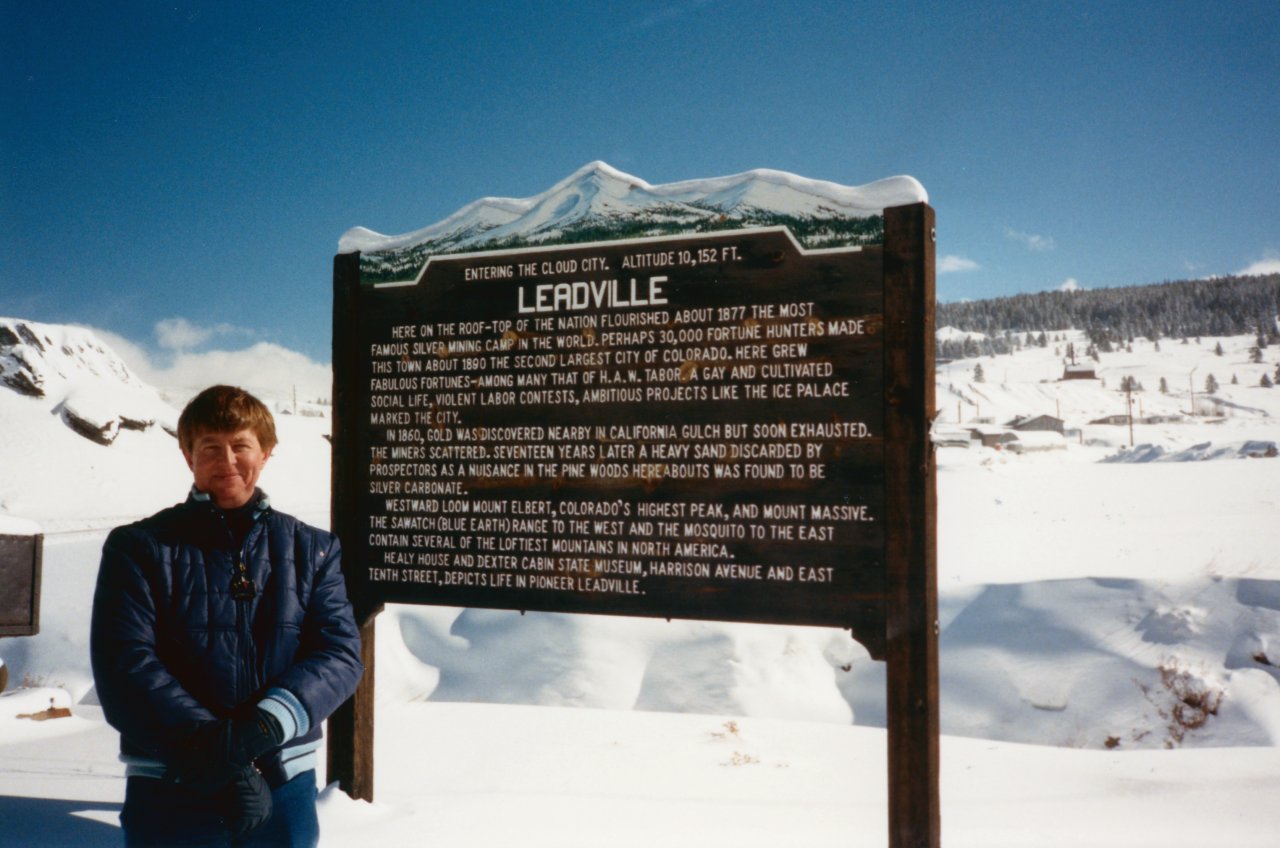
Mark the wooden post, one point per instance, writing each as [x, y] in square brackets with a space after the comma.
[350, 731]
[911, 585]
[350, 742]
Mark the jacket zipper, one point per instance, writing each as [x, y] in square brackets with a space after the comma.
[248, 650]
[240, 575]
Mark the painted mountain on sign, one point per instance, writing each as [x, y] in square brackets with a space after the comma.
[600, 203]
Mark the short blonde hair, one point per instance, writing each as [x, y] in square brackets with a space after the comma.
[225, 409]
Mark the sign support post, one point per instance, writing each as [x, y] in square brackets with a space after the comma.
[350, 730]
[911, 584]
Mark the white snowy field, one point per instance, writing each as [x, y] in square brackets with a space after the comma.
[1110, 654]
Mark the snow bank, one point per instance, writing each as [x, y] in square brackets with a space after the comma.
[1251, 449]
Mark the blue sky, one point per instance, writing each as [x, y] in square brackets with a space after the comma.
[179, 173]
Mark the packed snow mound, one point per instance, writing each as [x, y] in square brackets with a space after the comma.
[1151, 663]
[598, 191]
[545, 659]
[80, 379]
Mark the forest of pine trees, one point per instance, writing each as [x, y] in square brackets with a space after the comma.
[1225, 306]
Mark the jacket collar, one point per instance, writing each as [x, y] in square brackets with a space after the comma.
[261, 503]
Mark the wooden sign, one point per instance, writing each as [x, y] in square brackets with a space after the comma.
[688, 427]
[724, 426]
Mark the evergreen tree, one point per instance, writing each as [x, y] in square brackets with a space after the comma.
[1164, 386]
[1210, 384]
[1199, 309]
[1265, 382]
[978, 376]
[1217, 350]
[1255, 353]
[1235, 381]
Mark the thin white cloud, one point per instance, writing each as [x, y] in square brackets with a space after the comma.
[179, 334]
[270, 371]
[1269, 264]
[951, 264]
[1032, 241]
[1069, 285]
[667, 15]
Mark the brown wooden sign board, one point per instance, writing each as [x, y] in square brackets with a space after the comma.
[723, 426]
[20, 567]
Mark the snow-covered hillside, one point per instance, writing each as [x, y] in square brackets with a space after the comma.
[68, 371]
[1110, 647]
[1172, 405]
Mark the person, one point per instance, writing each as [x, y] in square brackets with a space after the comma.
[221, 639]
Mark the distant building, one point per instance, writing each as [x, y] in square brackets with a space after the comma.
[1045, 423]
[1037, 440]
[1111, 419]
[991, 437]
[1079, 372]
[950, 437]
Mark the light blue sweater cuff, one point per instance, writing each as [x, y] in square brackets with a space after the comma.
[285, 708]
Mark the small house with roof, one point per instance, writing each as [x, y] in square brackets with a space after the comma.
[991, 437]
[1030, 423]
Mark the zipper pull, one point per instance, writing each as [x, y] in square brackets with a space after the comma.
[242, 588]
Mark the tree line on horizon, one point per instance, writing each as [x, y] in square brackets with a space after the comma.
[1222, 306]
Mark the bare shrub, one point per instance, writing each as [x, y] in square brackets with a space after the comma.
[1185, 702]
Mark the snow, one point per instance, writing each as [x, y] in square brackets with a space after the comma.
[13, 526]
[1109, 652]
[950, 334]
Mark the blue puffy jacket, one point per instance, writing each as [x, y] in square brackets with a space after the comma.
[172, 648]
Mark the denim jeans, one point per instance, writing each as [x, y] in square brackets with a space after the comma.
[158, 813]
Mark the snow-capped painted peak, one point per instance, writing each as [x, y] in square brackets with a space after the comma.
[598, 193]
